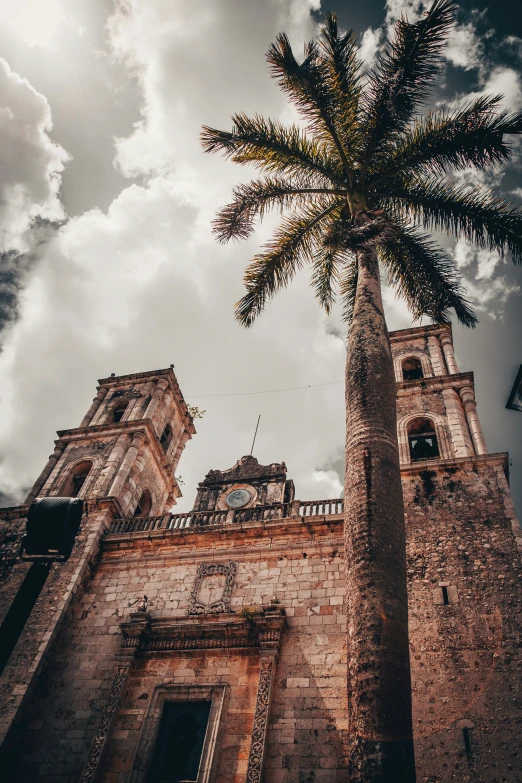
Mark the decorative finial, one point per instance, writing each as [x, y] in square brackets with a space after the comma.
[172, 366]
[113, 374]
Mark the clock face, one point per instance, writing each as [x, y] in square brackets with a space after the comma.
[238, 498]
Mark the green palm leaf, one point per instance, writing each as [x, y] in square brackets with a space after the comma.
[462, 210]
[236, 220]
[440, 142]
[403, 79]
[424, 275]
[269, 145]
[292, 246]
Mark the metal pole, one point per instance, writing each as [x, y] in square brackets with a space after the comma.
[255, 434]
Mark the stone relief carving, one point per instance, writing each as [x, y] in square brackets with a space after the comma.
[87, 449]
[212, 588]
[126, 394]
[261, 715]
[104, 725]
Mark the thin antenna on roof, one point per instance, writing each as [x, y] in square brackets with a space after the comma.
[255, 434]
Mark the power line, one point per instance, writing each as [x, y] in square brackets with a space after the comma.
[266, 391]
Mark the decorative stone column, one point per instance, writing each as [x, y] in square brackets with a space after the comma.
[46, 472]
[133, 633]
[447, 347]
[127, 464]
[156, 398]
[269, 643]
[470, 407]
[139, 465]
[109, 470]
[462, 445]
[436, 357]
[256, 758]
[89, 416]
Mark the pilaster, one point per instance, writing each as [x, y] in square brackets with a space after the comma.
[102, 393]
[136, 628]
[46, 472]
[467, 396]
[447, 347]
[437, 360]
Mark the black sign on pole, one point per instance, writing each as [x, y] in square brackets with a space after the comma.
[515, 398]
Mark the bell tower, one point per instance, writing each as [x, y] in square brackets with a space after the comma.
[437, 416]
[127, 446]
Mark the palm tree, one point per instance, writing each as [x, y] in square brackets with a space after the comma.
[362, 180]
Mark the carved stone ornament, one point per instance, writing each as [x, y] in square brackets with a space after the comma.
[126, 394]
[104, 725]
[246, 468]
[212, 588]
[87, 449]
[261, 717]
[262, 630]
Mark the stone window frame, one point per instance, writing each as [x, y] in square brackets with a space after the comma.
[445, 451]
[215, 693]
[425, 361]
[451, 592]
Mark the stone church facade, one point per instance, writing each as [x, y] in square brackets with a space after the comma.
[210, 646]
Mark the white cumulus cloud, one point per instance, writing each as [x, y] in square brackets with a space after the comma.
[31, 163]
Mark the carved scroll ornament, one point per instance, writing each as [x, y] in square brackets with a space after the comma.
[213, 598]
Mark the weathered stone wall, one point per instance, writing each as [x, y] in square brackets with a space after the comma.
[466, 656]
[307, 734]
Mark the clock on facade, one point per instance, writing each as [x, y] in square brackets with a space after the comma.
[238, 498]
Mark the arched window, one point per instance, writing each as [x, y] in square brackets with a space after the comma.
[166, 438]
[412, 369]
[118, 411]
[422, 440]
[144, 506]
[76, 479]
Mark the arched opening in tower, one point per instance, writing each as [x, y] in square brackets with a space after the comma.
[166, 438]
[422, 440]
[75, 480]
[144, 506]
[412, 369]
[118, 412]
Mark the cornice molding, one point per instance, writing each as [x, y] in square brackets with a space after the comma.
[434, 382]
[169, 375]
[262, 630]
[131, 427]
[420, 331]
[457, 463]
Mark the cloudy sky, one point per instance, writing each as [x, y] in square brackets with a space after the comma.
[108, 263]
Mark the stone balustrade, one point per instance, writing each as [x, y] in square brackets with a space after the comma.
[211, 519]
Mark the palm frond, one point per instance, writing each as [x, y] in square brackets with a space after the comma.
[425, 276]
[348, 289]
[269, 145]
[308, 87]
[326, 275]
[471, 136]
[254, 200]
[343, 71]
[461, 210]
[403, 78]
[293, 245]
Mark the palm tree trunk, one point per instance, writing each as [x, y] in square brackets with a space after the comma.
[379, 683]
